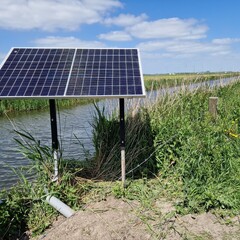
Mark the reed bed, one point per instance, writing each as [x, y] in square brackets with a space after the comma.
[26, 105]
[160, 81]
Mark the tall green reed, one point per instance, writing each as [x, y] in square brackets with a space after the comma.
[106, 140]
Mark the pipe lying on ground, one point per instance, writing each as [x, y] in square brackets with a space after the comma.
[65, 210]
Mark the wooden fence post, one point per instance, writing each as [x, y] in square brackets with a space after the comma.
[213, 102]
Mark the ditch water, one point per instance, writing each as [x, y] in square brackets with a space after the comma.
[74, 126]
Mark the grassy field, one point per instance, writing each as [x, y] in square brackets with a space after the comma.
[169, 80]
[175, 150]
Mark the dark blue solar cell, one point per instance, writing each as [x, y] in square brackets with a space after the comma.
[116, 90]
[123, 81]
[93, 91]
[97, 51]
[100, 90]
[109, 81]
[116, 73]
[122, 52]
[104, 52]
[137, 81]
[18, 50]
[101, 72]
[116, 81]
[139, 89]
[29, 91]
[123, 90]
[87, 83]
[130, 81]
[130, 72]
[70, 91]
[13, 91]
[103, 58]
[21, 91]
[97, 59]
[61, 91]
[91, 52]
[108, 90]
[53, 91]
[5, 91]
[116, 52]
[115, 59]
[85, 90]
[122, 59]
[37, 91]
[131, 90]
[45, 90]
[101, 82]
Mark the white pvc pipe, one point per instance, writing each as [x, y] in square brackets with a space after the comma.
[65, 210]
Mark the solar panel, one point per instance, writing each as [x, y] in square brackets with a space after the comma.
[70, 72]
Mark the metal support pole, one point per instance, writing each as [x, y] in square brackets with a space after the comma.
[53, 120]
[122, 141]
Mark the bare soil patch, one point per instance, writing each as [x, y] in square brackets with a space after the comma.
[117, 219]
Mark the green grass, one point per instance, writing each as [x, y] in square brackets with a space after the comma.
[201, 152]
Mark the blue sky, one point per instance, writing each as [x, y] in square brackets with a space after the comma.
[172, 35]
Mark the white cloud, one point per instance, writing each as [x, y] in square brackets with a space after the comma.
[196, 47]
[168, 28]
[115, 36]
[225, 40]
[125, 20]
[53, 41]
[184, 47]
[50, 15]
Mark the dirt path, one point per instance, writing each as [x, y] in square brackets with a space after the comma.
[115, 219]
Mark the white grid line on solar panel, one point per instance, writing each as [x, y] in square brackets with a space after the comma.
[69, 76]
[76, 80]
[71, 84]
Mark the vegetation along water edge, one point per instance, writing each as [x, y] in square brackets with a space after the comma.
[175, 149]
